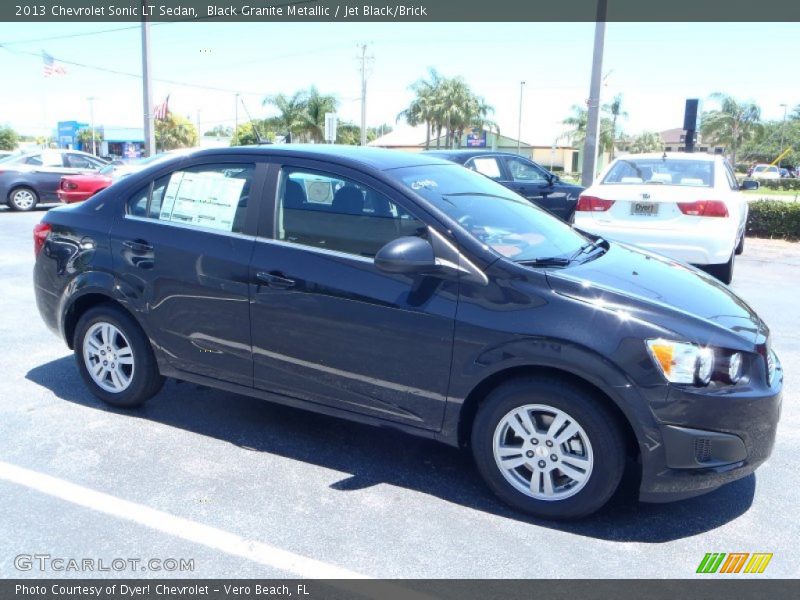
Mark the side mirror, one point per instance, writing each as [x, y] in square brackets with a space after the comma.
[749, 184]
[408, 255]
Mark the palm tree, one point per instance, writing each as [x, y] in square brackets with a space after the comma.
[290, 109]
[732, 124]
[647, 141]
[175, 131]
[313, 117]
[425, 106]
[578, 121]
[616, 112]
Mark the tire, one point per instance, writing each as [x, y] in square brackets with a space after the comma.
[740, 246]
[108, 332]
[23, 199]
[597, 440]
[723, 272]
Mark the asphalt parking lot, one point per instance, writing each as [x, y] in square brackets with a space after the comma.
[249, 489]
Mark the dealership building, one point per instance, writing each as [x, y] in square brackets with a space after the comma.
[121, 142]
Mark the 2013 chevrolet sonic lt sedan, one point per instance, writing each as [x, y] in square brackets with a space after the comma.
[405, 291]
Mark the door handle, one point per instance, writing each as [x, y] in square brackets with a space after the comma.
[275, 280]
[138, 245]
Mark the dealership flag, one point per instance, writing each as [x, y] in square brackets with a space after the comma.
[50, 67]
[162, 110]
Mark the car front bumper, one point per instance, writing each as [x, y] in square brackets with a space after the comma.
[709, 438]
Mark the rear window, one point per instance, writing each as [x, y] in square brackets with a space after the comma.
[661, 171]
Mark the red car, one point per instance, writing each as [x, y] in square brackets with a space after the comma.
[77, 188]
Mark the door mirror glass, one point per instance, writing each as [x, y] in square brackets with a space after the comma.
[749, 184]
[406, 255]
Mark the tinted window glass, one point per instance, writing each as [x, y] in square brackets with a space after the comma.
[493, 214]
[327, 211]
[78, 161]
[524, 171]
[664, 171]
[486, 165]
[208, 196]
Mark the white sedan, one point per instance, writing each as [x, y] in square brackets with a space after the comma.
[688, 207]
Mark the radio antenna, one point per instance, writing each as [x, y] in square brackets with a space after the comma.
[259, 139]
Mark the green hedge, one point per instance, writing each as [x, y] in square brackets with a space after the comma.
[774, 219]
[780, 184]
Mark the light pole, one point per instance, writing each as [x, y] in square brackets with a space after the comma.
[91, 120]
[783, 127]
[593, 117]
[236, 112]
[147, 98]
[519, 121]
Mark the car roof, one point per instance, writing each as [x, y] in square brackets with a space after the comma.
[673, 156]
[468, 153]
[377, 158]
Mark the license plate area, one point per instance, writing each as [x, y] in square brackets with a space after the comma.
[644, 209]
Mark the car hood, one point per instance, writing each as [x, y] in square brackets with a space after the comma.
[663, 292]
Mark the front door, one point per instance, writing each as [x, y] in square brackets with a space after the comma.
[327, 325]
[182, 251]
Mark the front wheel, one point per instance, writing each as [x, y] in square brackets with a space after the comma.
[548, 447]
[115, 358]
[23, 199]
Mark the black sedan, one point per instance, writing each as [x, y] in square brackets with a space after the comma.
[521, 175]
[405, 291]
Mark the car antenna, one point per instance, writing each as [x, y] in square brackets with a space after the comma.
[259, 139]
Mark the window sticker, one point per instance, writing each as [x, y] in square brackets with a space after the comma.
[487, 166]
[203, 199]
[424, 184]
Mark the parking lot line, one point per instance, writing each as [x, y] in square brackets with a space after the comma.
[186, 529]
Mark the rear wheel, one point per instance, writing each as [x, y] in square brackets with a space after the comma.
[115, 358]
[23, 199]
[723, 272]
[548, 447]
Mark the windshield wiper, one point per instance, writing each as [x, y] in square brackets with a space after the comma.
[548, 261]
[586, 248]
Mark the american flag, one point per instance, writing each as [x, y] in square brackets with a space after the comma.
[49, 66]
[161, 110]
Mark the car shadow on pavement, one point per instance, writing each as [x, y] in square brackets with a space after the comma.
[375, 456]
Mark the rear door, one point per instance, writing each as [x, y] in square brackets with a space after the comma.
[182, 252]
[327, 325]
[46, 171]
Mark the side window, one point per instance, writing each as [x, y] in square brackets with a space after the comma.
[147, 201]
[731, 177]
[36, 159]
[524, 171]
[327, 211]
[208, 196]
[486, 165]
[78, 161]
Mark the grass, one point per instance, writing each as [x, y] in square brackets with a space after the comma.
[763, 191]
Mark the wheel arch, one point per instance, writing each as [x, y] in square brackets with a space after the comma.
[473, 401]
[78, 307]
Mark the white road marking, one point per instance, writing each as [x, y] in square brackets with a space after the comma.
[192, 531]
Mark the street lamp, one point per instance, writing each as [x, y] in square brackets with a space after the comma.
[783, 127]
[519, 123]
[91, 119]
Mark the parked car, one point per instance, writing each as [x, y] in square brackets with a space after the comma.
[765, 172]
[35, 177]
[785, 173]
[6, 154]
[521, 175]
[404, 291]
[77, 188]
[687, 207]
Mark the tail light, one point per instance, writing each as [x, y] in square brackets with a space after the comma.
[704, 208]
[40, 233]
[68, 185]
[593, 204]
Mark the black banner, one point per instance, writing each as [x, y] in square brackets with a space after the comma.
[714, 588]
[406, 11]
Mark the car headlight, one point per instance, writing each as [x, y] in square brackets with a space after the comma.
[683, 362]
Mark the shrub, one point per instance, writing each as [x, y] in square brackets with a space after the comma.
[774, 219]
[781, 184]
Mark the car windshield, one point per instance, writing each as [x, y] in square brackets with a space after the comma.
[765, 169]
[507, 223]
[661, 171]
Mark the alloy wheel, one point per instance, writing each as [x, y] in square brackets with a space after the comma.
[108, 357]
[543, 452]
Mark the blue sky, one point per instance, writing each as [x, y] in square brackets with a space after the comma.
[655, 66]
